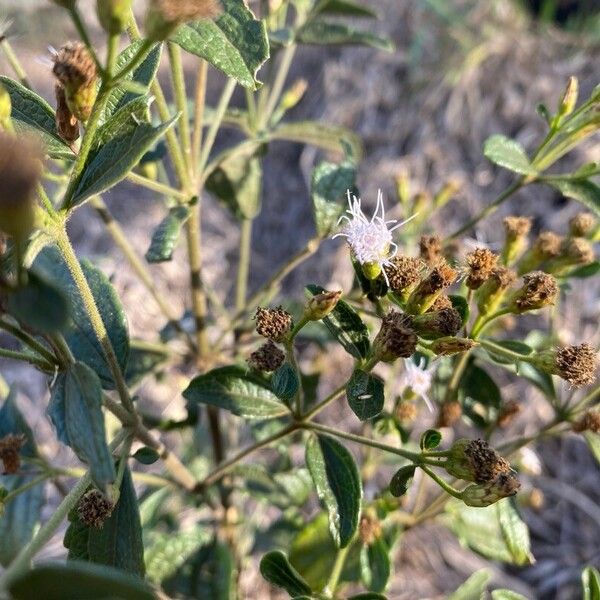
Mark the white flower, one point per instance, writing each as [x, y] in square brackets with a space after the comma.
[418, 379]
[370, 240]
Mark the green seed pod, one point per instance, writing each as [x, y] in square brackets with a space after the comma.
[113, 14]
[492, 292]
[569, 99]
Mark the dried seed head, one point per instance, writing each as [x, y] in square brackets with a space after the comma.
[452, 345]
[577, 251]
[475, 460]
[547, 244]
[430, 248]
[480, 264]
[510, 409]
[491, 293]
[539, 290]
[590, 421]
[517, 229]
[20, 171]
[479, 495]
[577, 364]
[406, 411]
[273, 323]
[396, 338]
[582, 224]
[94, 508]
[267, 358]
[320, 305]
[403, 273]
[449, 413]
[440, 277]
[369, 529]
[67, 124]
[439, 323]
[10, 447]
[164, 16]
[440, 303]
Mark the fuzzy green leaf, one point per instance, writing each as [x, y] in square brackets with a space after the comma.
[338, 484]
[473, 588]
[365, 394]
[237, 391]
[349, 8]
[285, 382]
[507, 595]
[402, 480]
[430, 439]
[375, 565]
[277, 570]
[586, 192]
[235, 42]
[590, 580]
[144, 358]
[509, 154]
[166, 235]
[515, 532]
[327, 33]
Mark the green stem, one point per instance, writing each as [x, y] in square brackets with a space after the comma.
[338, 567]
[443, 484]
[23, 357]
[282, 73]
[315, 410]
[26, 486]
[83, 34]
[28, 340]
[14, 63]
[505, 352]
[156, 186]
[135, 60]
[243, 264]
[199, 103]
[111, 55]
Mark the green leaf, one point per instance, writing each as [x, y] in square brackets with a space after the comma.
[402, 480]
[144, 358]
[593, 442]
[365, 394]
[22, 514]
[586, 271]
[507, 595]
[79, 580]
[277, 570]
[338, 484]
[586, 192]
[40, 305]
[590, 580]
[460, 304]
[473, 588]
[509, 154]
[85, 422]
[285, 382]
[375, 565]
[329, 185]
[237, 391]
[235, 43]
[349, 8]
[31, 113]
[326, 33]
[515, 532]
[79, 334]
[146, 456]
[480, 395]
[166, 235]
[346, 326]
[118, 543]
[430, 439]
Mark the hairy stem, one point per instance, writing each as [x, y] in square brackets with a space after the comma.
[243, 264]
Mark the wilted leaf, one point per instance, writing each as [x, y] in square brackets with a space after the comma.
[401, 480]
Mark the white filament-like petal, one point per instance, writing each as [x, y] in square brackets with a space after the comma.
[418, 379]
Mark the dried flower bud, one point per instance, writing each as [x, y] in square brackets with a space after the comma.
[369, 528]
[439, 323]
[479, 495]
[273, 323]
[492, 292]
[403, 273]
[475, 460]
[451, 345]
[440, 277]
[94, 508]
[441, 302]
[536, 499]
[396, 338]
[20, 171]
[546, 246]
[517, 229]
[67, 124]
[574, 251]
[406, 411]
[449, 413]
[164, 16]
[480, 264]
[113, 14]
[508, 412]
[575, 364]
[590, 421]
[430, 248]
[539, 290]
[76, 70]
[582, 224]
[10, 447]
[5, 107]
[293, 95]
[320, 305]
[569, 99]
[267, 358]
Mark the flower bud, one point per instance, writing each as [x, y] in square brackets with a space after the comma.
[480, 265]
[164, 16]
[448, 191]
[575, 364]
[430, 248]
[582, 225]
[490, 295]
[76, 70]
[293, 95]
[94, 508]
[590, 421]
[67, 124]
[369, 528]
[403, 273]
[10, 447]
[396, 338]
[113, 14]
[451, 345]
[273, 323]
[509, 410]
[20, 171]
[371, 270]
[5, 107]
[569, 99]
[539, 290]
[475, 460]
[546, 246]
[574, 251]
[441, 302]
[449, 413]
[320, 305]
[440, 277]
[516, 229]
[505, 485]
[267, 358]
[440, 323]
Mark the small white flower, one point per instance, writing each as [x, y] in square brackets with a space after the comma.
[370, 240]
[418, 379]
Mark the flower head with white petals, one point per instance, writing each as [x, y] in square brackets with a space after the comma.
[370, 240]
[418, 379]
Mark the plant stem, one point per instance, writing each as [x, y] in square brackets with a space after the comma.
[156, 186]
[338, 567]
[26, 486]
[14, 63]
[199, 103]
[83, 34]
[505, 352]
[135, 60]
[282, 73]
[315, 410]
[443, 484]
[28, 340]
[243, 264]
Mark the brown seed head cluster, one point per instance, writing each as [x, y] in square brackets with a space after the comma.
[369, 529]
[441, 302]
[510, 409]
[577, 250]
[517, 227]
[273, 323]
[439, 323]
[10, 447]
[94, 508]
[449, 414]
[547, 244]
[475, 460]
[406, 411]
[396, 338]
[430, 248]
[577, 364]
[442, 276]
[180, 11]
[480, 264]
[74, 67]
[590, 421]
[403, 273]
[267, 358]
[539, 290]
[582, 224]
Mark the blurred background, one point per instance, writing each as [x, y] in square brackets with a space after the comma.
[462, 70]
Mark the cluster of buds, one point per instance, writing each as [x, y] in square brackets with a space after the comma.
[491, 294]
[575, 364]
[480, 266]
[275, 324]
[439, 278]
[94, 508]
[396, 337]
[10, 448]
[320, 305]
[165, 16]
